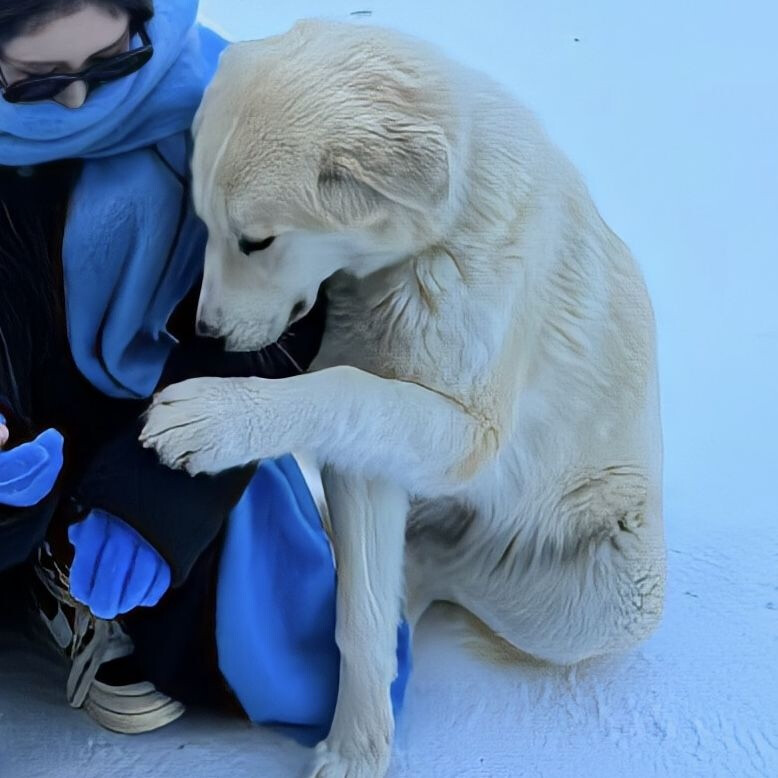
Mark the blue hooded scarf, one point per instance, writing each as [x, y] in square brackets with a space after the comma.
[133, 246]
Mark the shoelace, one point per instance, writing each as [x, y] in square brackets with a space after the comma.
[89, 642]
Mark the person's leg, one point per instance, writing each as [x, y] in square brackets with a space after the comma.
[175, 641]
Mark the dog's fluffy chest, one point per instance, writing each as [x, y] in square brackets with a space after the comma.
[413, 323]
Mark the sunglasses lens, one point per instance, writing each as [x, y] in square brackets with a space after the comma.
[119, 68]
[33, 91]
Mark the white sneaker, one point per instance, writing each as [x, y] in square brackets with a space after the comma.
[94, 646]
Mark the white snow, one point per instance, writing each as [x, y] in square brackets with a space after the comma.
[669, 109]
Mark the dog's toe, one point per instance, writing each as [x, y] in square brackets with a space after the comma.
[332, 762]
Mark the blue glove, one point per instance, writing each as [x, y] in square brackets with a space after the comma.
[114, 569]
[28, 472]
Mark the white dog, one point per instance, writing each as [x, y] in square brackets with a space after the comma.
[488, 373]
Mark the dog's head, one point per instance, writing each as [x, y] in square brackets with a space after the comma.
[325, 149]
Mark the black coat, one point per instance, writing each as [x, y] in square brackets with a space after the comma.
[40, 387]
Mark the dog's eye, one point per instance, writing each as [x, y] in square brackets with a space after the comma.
[250, 246]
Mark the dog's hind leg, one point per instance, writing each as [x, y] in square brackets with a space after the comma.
[368, 518]
[605, 598]
[582, 579]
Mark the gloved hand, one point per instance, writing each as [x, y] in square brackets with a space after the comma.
[29, 471]
[114, 569]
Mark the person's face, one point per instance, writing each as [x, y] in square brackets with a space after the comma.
[68, 44]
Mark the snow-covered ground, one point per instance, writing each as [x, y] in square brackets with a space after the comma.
[669, 109]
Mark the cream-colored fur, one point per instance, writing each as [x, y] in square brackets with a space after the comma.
[485, 403]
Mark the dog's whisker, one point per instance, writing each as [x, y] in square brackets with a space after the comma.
[297, 367]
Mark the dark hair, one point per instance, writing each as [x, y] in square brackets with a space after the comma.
[23, 16]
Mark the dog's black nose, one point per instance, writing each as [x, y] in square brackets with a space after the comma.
[205, 330]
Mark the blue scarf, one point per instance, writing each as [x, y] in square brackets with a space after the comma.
[133, 247]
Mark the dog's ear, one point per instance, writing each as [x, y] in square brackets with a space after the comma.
[404, 161]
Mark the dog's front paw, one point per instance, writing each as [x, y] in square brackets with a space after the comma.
[198, 426]
[329, 763]
[352, 758]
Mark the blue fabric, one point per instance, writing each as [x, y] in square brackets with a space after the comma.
[29, 471]
[114, 569]
[275, 615]
[404, 667]
[122, 278]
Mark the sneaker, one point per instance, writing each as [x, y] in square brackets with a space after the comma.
[103, 679]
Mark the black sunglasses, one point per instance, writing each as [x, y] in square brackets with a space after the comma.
[33, 90]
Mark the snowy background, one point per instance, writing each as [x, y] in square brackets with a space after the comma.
[669, 109]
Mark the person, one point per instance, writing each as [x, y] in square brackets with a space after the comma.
[160, 588]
